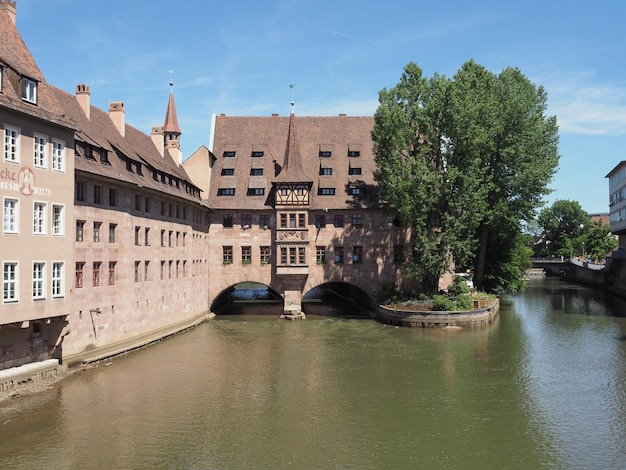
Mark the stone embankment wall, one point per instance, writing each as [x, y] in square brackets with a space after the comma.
[432, 319]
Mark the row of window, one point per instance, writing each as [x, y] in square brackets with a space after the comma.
[44, 149]
[42, 211]
[352, 191]
[142, 203]
[142, 234]
[292, 220]
[353, 171]
[40, 276]
[259, 153]
[296, 255]
[169, 269]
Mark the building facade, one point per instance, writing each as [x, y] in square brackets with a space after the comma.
[36, 189]
[295, 205]
[104, 238]
[617, 202]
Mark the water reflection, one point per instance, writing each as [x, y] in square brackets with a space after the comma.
[544, 386]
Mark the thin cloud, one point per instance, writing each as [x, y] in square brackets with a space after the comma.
[369, 41]
[585, 108]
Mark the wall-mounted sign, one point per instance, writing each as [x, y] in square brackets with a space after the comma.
[22, 181]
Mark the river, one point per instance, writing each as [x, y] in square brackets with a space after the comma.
[542, 387]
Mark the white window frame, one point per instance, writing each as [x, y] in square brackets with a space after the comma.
[40, 152]
[39, 217]
[58, 279]
[11, 144]
[29, 90]
[58, 155]
[11, 216]
[58, 220]
[10, 282]
[39, 280]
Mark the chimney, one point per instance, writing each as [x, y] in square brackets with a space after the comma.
[9, 7]
[118, 116]
[83, 97]
[157, 139]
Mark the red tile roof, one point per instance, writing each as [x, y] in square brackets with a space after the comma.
[271, 135]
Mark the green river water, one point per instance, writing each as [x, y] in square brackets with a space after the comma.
[542, 387]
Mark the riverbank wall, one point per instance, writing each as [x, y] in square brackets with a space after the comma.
[434, 319]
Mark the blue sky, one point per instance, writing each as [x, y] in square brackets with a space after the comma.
[238, 57]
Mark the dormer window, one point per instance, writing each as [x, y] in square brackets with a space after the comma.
[257, 153]
[354, 153]
[325, 153]
[29, 90]
[229, 153]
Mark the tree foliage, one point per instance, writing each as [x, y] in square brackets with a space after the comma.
[561, 224]
[567, 231]
[463, 161]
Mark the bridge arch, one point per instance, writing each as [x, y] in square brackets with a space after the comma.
[338, 298]
[247, 297]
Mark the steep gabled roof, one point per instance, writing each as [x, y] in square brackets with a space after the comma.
[335, 136]
[292, 171]
[171, 119]
[17, 62]
[100, 132]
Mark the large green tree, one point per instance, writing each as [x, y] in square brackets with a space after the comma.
[561, 223]
[475, 154]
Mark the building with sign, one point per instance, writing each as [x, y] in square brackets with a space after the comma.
[36, 190]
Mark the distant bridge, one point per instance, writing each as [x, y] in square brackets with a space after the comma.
[565, 266]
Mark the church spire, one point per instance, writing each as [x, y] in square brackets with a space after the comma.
[171, 131]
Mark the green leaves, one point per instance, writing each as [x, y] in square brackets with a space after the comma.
[473, 152]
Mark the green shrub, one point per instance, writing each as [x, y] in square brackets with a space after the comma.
[443, 303]
[458, 287]
[464, 302]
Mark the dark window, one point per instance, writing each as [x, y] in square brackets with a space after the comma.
[112, 238]
[226, 192]
[264, 221]
[227, 220]
[265, 254]
[246, 255]
[257, 153]
[320, 254]
[229, 153]
[227, 255]
[354, 171]
[339, 255]
[356, 191]
[354, 153]
[97, 194]
[80, 191]
[326, 171]
[357, 254]
[326, 192]
[246, 220]
[325, 153]
[338, 220]
[357, 219]
[256, 172]
[228, 171]
[256, 191]
[112, 197]
[320, 221]
[80, 226]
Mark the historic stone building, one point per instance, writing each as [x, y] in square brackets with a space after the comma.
[104, 240]
[294, 205]
[36, 189]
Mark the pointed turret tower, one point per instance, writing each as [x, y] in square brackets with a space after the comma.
[171, 131]
[292, 187]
